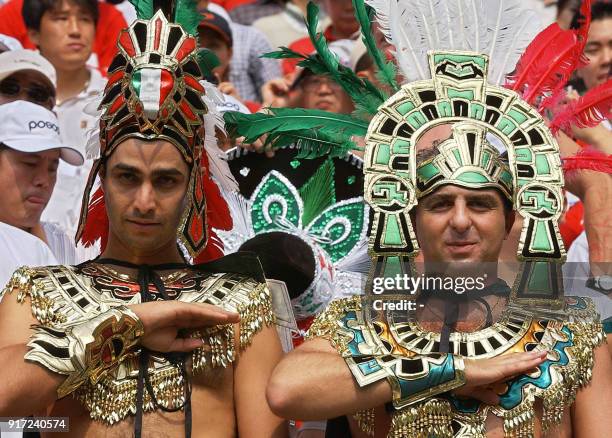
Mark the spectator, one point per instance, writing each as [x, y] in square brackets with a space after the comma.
[30, 151]
[104, 49]
[566, 11]
[598, 48]
[288, 25]
[20, 248]
[312, 91]
[248, 13]
[25, 75]
[343, 25]
[248, 71]
[64, 32]
[228, 5]
[215, 34]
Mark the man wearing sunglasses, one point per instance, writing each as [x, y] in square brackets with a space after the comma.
[25, 75]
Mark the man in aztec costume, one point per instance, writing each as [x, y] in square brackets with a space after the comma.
[448, 157]
[139, 341]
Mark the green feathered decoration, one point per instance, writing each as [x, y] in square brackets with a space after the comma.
[316, 133]
[207, 60]
[144, 9]
[187, 15]
[364, 94]
[319, 192]
[387, 71]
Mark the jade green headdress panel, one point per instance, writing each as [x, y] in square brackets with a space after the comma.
[459, 94]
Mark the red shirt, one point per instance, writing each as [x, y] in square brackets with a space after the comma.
[231, 4]
[305, 47]
[110, 23]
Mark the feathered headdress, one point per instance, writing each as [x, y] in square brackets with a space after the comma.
[475, 62]
[155, 91]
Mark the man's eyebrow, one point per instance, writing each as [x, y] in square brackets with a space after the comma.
[439, 197]
[482, 197]
[167, 172]
[126, 168]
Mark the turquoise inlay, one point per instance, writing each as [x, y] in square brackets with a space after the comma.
[541, 240]
[369, 367]
[607, 325]
[401, 147]
[539, 278]
[506, 177]
[445, 109]
[358, 338]
[393, 267]
[517, 116]
[461, 94]
[427, 172]
[513, 396]
[295, 164]
[542, 165]
[485, 159]
[458, 157]
[351, 180]
[523, 154]
[460, 59]
[506, 126]
[438, 374]
[416, 119]
[477, 111]
[383, 154]
[405, 108]
[471, 177]
[580, 303]
[392, 235]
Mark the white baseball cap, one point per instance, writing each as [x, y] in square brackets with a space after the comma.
[27, 127]
[20, 60]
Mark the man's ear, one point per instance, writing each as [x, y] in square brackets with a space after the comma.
[510, 218]
[34, 36]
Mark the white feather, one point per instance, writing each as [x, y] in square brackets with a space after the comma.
[512, 33]
[213, 122]
[501, 29]
[358, 260]
[242, 229]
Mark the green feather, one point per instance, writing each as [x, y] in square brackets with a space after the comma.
[319, 192]
[387, 71]
[316, 133]
[144, 9]
[283, 53]
[365, 94]
[207, 60]
[186, 14]
[253, 126]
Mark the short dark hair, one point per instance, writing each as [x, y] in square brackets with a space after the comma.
[33, 10]
[600, 10]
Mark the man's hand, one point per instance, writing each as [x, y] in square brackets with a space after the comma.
[481, 375]
[162, 321]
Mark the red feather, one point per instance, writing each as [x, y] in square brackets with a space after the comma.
[547, 64]
[588, 111]
[96, 226]
[217, 216]
[588, 159]
[583, 31]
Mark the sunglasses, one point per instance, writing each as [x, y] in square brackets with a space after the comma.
[36, 93]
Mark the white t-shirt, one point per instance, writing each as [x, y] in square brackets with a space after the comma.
[64, 207]
[19, 248]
